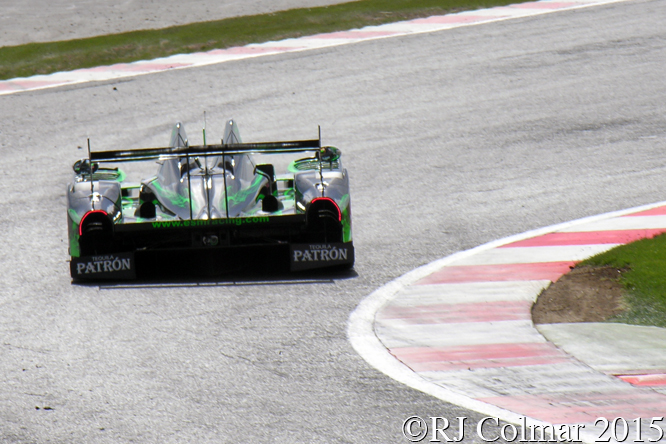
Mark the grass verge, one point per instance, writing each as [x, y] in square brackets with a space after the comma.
[45, 58]
[645, 282]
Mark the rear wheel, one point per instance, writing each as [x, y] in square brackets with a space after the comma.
[95, 233]
[323, 221]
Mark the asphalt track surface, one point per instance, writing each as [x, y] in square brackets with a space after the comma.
[453, 139]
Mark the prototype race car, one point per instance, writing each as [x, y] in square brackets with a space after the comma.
[214, 206]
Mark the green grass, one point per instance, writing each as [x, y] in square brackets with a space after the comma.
[645, 282]
[44, 58]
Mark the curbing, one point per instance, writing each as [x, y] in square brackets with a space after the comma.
[364, 337]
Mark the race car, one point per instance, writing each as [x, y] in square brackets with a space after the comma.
[218, 207]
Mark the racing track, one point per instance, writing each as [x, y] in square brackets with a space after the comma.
[453, 139]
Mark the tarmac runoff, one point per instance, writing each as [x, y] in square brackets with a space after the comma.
[460, 329]
[398, 29]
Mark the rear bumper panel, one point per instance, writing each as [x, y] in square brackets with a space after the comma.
[196, 248]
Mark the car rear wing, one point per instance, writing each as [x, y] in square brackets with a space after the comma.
[221, 150]
[205, 150]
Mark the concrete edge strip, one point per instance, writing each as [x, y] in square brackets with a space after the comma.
[361, 334]
[182, 61]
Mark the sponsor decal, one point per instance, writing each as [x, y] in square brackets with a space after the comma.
[110, 266]
[306, 256]
[211, 222]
